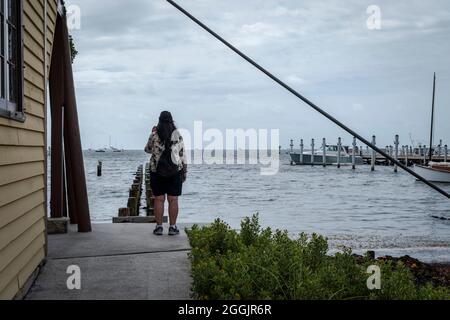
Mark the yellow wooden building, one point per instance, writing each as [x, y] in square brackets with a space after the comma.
[27, 30]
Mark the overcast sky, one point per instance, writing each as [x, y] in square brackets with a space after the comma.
[139, 57]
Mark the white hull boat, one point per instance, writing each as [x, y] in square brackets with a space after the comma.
[434, 172]
[331, 157]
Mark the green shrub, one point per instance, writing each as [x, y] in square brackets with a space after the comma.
[258, 264]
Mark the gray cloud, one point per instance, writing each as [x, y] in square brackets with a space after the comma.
[138, 57]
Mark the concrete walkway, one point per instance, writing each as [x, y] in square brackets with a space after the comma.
[117, 261]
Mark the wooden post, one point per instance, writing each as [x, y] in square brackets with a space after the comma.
[56, 79]
[445, 153]
[339, 153]
[302, 147]
[424, 155]
[292, 151]
[374, 154]
[62, 94]
[388, 152]
[132, 205]
[354, 154]
[71, 199]
[99, 169]
[440, 150]
[391, 153]
[124, 212]
[396, 142]
[407, 156]
[324, 146]
[312, 152]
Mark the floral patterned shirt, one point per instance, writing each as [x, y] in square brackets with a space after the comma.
[155, 147]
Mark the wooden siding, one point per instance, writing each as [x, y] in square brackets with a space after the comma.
[22, 159]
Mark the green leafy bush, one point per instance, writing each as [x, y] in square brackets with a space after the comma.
[258, 264]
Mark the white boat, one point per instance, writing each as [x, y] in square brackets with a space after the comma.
[332, 155]
[115, 149]
[435, 172]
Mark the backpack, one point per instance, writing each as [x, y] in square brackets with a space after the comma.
[166, 168]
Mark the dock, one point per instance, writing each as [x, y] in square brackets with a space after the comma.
[405, 154]
[117, 262]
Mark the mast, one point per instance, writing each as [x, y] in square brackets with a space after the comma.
[432, 120]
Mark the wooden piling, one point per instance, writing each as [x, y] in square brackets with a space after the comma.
[99, 169]
[339, 153]
[391, 154]
[374, 154]
[131, 214]
[445, 153]
[133, 206]
[62, 95]
[134, 201]
[424, 155]
[354, 154]
[396, 142]
[292, 151]
[407, 156]
[150, 199]
[324, 146]
[302, 149]
[312, 152]
[124, 212]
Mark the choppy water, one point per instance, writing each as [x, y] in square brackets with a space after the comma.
[382, 210]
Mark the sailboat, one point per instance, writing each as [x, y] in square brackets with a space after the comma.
[113, 149]
[434, 172]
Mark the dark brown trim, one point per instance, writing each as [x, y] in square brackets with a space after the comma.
[19, 113]
[20, 62]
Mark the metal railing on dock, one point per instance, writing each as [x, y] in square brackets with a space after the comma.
[355, 155]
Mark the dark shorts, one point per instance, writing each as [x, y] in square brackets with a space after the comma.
[162, 186]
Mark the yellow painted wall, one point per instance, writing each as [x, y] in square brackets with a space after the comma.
[23, 161]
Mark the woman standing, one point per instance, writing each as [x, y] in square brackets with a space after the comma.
[168, 170]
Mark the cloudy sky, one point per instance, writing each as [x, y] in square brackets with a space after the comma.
[139, 57]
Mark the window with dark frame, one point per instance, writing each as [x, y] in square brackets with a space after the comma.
[11, 60]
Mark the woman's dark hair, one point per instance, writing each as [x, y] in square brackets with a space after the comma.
[166, 127]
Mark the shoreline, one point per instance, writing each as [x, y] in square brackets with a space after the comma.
[436, 273]
[427, 251]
